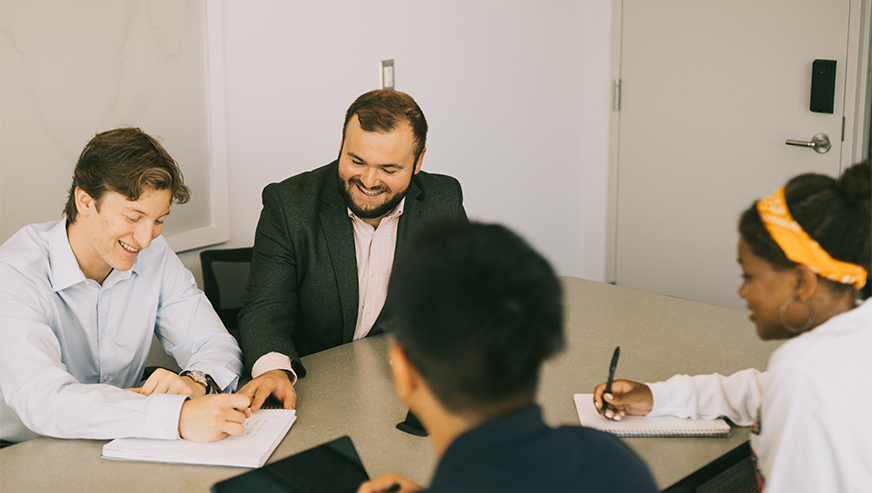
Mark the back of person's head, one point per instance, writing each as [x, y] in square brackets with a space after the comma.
[384, 110]
[126, 161]
[837, 214]
[476, 310]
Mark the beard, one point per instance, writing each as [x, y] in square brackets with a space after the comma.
[345, 189]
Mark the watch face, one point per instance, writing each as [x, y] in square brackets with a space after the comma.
[196, 376]
[203, 379]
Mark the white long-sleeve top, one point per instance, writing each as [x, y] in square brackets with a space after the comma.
[811, 411]
[69, 346]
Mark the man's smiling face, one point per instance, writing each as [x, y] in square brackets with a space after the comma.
[376, 168]
[110, 234]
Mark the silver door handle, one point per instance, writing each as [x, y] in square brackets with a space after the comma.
[820, 143]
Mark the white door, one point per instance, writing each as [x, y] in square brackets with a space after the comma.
[710, 92]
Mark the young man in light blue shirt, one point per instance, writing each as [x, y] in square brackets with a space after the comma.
[82, 298]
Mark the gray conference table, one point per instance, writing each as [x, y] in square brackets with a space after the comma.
[348, 392]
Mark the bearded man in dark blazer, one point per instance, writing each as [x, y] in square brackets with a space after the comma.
[327, 239]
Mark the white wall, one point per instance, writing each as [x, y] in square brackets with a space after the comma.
[517, 95]
[73, 69]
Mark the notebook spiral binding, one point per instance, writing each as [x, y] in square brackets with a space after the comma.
[711, 433]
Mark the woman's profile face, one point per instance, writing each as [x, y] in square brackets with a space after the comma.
[764, 290]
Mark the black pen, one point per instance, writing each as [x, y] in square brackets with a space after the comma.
[611, 377]
[393, 489]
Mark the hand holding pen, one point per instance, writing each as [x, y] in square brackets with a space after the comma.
[612, 367]
[616, 398]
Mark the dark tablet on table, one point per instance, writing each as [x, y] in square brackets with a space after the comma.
[333, 467]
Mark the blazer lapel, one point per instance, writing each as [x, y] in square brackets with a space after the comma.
[411, 216]
[339, 235]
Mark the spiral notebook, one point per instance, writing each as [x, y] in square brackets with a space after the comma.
[643, 426]
[263, 432]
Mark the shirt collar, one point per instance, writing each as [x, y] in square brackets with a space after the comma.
[65, 270]
[490, 439]
[398, 210]
[117, 276]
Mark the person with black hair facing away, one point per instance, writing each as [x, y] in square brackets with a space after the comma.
[805, 254]
[473, 313]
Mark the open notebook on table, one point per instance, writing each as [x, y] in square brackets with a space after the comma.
[643, 426]
[263, 432]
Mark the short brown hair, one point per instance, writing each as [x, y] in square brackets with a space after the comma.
[127, 161]
[383, 109]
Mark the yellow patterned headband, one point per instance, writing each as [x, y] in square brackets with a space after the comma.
[800, 247]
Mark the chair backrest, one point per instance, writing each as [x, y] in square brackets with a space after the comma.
[225, 274]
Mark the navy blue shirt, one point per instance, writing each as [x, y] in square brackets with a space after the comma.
[521, 453]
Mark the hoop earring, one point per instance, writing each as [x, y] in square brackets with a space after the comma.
[796, 330]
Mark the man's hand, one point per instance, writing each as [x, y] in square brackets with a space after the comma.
[166, 382]
[389, 482]
[627, 397]
[212, 417]
[275, 382]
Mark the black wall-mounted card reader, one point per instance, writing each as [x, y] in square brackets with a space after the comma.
[823, 86]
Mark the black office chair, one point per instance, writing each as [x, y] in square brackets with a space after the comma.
[225, 273]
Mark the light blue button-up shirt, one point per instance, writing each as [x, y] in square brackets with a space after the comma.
[69, 346]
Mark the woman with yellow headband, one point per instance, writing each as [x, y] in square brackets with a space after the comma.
[805, 253]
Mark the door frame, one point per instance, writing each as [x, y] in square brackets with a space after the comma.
[857, 111]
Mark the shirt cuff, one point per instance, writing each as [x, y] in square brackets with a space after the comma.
[672, 397]
[162, 416]
[273, 361]
[659, 395]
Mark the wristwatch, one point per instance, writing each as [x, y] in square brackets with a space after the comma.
[203, 379]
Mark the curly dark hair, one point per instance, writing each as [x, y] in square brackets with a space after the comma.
[835, 213]
[476, 311]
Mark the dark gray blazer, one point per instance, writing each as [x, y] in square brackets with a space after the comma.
[302, 294]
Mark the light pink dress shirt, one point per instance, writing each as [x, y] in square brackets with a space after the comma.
[375, 258]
